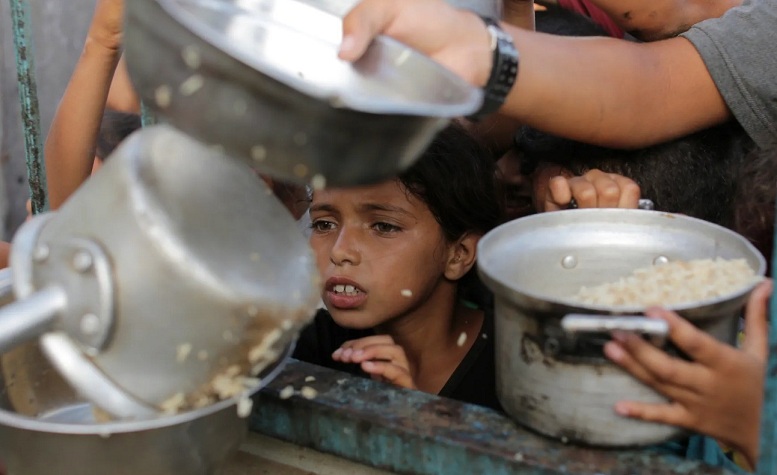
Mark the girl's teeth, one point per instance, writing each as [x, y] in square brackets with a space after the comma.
[345, 289]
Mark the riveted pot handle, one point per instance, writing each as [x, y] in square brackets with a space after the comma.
[654, 329]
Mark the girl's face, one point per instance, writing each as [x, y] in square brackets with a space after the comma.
[380, 251]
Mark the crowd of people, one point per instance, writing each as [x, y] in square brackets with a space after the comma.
[614, 100]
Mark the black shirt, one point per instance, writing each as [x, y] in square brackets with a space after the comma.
[473, 381]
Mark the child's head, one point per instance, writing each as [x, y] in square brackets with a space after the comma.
[391, 249]
[692, 175]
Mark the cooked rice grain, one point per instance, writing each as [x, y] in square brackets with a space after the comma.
[673, 283]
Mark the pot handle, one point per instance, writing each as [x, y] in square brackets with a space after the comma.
[654, 329]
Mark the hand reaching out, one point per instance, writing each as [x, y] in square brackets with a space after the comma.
[108, 24]
[378, 356]
[719, 393]
[595, 189]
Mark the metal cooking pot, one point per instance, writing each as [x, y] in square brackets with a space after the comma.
[46, 428]
[560, 383]
[262, 80]
[168, 269]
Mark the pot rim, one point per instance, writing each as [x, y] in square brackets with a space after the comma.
[502, 288]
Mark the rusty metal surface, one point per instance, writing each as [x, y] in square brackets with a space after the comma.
[417, 433]
[28, 95]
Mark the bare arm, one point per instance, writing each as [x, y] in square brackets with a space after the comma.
[122, 96]
[651, 20]
[70, 144]
[597, 90]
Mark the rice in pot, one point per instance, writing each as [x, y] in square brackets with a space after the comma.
[673, 283]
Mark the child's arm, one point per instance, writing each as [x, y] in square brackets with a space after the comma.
[70, 145]
[719, 393]
[379, 357]
[594, 189]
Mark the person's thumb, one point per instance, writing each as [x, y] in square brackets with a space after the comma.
[756, 328]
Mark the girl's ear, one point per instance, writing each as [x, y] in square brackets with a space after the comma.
[461, 256]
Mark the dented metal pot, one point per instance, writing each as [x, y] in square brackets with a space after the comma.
[551, 373]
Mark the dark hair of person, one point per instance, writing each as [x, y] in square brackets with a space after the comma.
[754, 200]
[114, 128]
[457, 179]
[693, 175]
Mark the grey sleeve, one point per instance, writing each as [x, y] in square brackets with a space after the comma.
[738, 50]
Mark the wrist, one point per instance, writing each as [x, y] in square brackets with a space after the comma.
[107, 42]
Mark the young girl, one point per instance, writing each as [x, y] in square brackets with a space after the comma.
[398, 262]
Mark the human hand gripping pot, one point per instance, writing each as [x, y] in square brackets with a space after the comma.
[380, 357]
[718, 393]
[594, 189]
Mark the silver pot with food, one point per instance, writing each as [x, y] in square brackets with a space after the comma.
[552, 375]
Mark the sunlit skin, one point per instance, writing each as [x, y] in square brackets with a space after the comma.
[387, 244]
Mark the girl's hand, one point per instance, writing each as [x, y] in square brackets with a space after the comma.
[719, 393]
[108, 24]
[595, 189]
[378, 356]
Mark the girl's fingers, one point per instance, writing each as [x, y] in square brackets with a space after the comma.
[629, 192]
[756, 327]
[670, 376]
[669, 413]
[559, 194]
[389, 372]
[698, 345]
[346, 351]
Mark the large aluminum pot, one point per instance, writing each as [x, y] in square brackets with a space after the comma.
[560, 385]
[262, 80]
[46, 428]
[174, 265]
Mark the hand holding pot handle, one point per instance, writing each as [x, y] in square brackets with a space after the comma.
[719, 393]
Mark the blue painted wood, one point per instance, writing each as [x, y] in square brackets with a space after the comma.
[767, 463]
[28, 96]
[417, 433]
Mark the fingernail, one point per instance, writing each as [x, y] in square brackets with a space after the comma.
[337, 353]
[347, 45]
[358, 353]
[368, 365]
[613, 351]
[619, 336]
[621, 409]
[347, 353]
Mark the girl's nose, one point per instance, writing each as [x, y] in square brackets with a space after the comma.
[345, 249]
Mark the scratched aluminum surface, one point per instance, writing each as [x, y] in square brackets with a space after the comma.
[28, 96]
[416, 433]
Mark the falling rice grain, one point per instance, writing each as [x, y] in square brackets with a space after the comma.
[308, 393]
[310, 379]
[192, 84]
[406, 293]
[244, 406]
[462, 339]
[191, 56]
[163, 95]
[286, 392]
[182, 352]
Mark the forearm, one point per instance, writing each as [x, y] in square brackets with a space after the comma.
[519, 13]
[611, 92]
[70, 144]
[658, 19]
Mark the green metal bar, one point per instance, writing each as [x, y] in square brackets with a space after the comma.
[147, 116]
[28, 96]
[767, 463]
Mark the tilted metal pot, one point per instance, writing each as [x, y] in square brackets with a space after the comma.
[263, 81]
[560, 384]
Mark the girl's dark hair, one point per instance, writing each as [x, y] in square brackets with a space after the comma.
[115, 127]
[456, 178]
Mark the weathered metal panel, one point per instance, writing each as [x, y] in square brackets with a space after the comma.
[417, 433]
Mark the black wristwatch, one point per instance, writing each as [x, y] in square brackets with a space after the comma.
[504, 70]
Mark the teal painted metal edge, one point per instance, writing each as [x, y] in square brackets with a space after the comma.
[767, 463]
[147, 117]
[416, 433]
[30, 111]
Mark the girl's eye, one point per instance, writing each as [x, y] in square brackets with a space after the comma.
[321, 225]
[386, 228]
